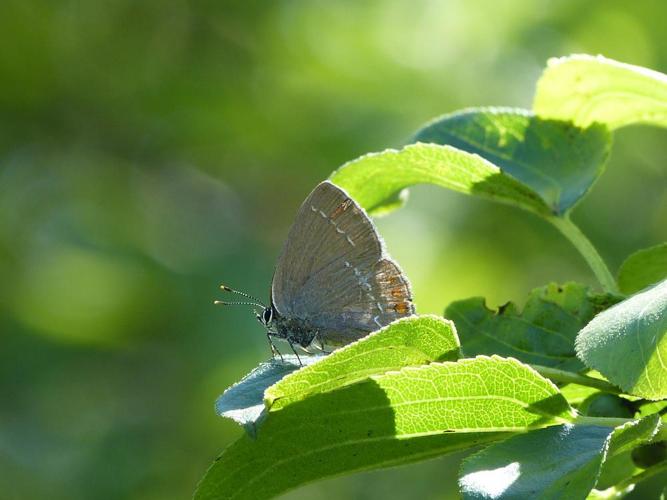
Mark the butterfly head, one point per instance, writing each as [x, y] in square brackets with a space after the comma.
[266, 318]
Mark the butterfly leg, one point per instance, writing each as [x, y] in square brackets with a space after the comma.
[294, 351]
[274, 349]
[321, 346]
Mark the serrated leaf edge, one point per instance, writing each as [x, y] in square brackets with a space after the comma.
[270, 401]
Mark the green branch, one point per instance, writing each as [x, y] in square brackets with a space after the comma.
[601, 421]
[574, 378]
[570, 230]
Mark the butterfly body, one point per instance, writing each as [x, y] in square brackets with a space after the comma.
[294, 330]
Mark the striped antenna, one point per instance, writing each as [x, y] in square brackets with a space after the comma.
[247, 296]
[225, 303]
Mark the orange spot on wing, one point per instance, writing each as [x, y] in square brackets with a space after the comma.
[402, 308]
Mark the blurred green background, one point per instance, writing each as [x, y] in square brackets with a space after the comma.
[152, 150]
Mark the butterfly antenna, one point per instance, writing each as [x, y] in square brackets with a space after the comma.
[247, 296]
[226, 303]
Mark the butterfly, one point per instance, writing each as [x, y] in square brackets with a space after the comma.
[334, 282]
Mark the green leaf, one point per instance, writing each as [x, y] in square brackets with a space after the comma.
[558, 160]
[614, 470]
[577, 394]
[376, 180]
[408, 341]
[588, 89]
[244, 401]
[611, 493]
[558, 462]
[626, 343]
[461, 394]
[618, 464]
[543, 333]
[643, 268]
[389, 419]
[633, 434]
[650, 407]
[411, 341]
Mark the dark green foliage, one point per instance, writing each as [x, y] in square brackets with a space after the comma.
[543, 333]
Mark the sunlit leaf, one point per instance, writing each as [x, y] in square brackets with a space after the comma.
[627, 344]
[611, 493]
[398, 417]
[376, 180]
[651, 407]
[557, 159]
[543, 333]
[577, 394]
[588, 89]
[461, 394]
[643, 268]
[557, 462]
[408, 341]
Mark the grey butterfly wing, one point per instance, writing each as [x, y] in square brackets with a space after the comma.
[383, 297]
[333, 273]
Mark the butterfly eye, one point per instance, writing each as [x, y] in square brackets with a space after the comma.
[267, 315]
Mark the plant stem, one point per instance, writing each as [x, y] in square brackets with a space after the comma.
[601, 421]
[575, 378]
[570, 230]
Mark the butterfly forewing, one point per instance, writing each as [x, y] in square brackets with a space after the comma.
[333, 272]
